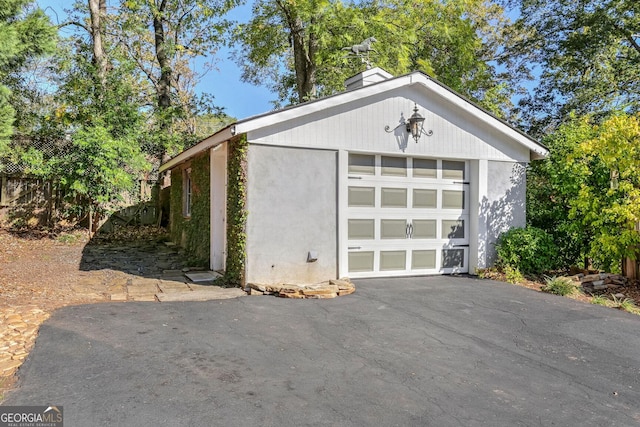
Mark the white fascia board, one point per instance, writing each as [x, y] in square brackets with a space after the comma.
[209, 142]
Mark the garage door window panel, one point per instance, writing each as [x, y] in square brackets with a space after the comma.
[393, 229]
[425, 198]
[361, 229]
[453, 199]
[394, 197]
[453, 258]
[394, 166]
[453, 170]
[424, 229]
[362, 196]
[425, 168]
[423, 259]
[360, 261]
[362, 164]
[393, 260]
[453, 229]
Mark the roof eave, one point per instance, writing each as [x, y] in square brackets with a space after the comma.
[212, 141]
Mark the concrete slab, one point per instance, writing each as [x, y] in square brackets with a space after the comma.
[202, 277]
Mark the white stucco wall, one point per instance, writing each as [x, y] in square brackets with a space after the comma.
[292, 209]
[501, 207]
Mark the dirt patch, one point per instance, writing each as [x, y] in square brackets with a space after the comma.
[632, 290]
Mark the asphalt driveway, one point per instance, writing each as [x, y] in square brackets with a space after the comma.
[437, 351]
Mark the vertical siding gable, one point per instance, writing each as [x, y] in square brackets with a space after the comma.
[359, 125]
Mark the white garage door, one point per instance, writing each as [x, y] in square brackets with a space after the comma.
[407, 216]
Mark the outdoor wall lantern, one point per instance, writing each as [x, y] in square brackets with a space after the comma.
[414, 125]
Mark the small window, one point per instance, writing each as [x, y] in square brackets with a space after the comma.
[187, 192]
[453, 170]
[362, 164]
[425, 168]
[394, 166]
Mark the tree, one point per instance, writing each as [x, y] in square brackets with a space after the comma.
[587, 192]
[26, 34]
[610, 206]
[164, 38]
[554, 183]
[589, 54]
[297, 47]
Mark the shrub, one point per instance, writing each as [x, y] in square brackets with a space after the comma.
[529, 250]
[513, 275]
[559, 286]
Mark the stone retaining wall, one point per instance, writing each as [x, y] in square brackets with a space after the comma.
[328, 289]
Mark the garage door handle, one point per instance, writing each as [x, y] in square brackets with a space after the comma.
[409, 230]
[355, 247]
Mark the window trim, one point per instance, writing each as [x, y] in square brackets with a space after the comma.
[187, 192]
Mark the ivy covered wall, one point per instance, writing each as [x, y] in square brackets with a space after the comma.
[192, 233]
[236, 211]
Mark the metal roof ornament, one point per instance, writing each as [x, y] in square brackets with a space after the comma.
[362, 51]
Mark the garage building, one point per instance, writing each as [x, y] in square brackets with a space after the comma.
[395, 176]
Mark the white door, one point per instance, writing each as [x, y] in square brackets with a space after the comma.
[406, 216]
[218, 224]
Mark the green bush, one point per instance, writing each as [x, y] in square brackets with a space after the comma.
[559, 286]
[513, 275]
[529, 250]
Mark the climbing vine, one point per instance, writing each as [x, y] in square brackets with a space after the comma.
[193, 232]
[236, 212]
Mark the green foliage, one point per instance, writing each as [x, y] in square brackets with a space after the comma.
[459, 42]
[559, 286]
[529, 250]
[513, 275]
[624, 304]
[588, 51]
[552, 186]
[99, 167]
[193, 232]
[600, 300]
[26, 34]
[236, 212]
[610, 205]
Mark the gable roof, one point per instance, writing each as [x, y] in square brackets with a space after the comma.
[537, 150]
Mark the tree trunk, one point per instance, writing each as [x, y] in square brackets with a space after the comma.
[98, 11]
[164, 83]
[303, 58]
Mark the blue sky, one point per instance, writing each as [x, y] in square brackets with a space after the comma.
[240, 99]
